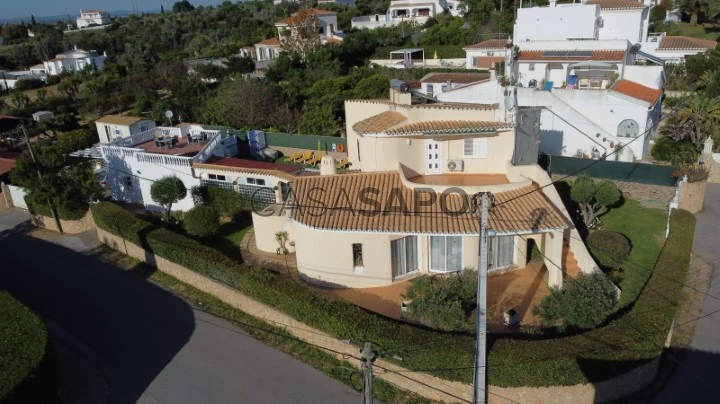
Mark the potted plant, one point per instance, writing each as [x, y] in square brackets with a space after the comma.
[511, 317]
[281, 237]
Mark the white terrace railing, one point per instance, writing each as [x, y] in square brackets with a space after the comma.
[137, 138]
[170, 131]
[207, 151]
[141, 156]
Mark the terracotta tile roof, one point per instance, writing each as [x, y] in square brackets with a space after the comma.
[532, 212]
[489, 44]
[389, 122]
[7, 161]
[269, 42]
[121, 120]
[686, 43]
[637, 91]
[597, 55]
[295, 16]
[334, 41]
[380, 122]
[249, 166]
[463, 78]
[448, 127]
[617, 4]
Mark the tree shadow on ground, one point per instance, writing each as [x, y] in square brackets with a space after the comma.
[134, 326]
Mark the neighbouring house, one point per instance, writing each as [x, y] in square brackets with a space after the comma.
[248, 52]
[405, 208]
[307, 29]
[92, 17]
[266, 52]
[7, 162]
[42, 116]
[597, 95]
[482, 55]
[114, 127]
[75, 60]
[135, 162]
[598, 20]
[38, 69]
[416, 11]
[10, 80]
[434, 84]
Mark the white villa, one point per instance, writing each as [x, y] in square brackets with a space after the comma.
[597, 95]
[9, 80]
[135, 162]
[404, 210]
[291, 33]
[416, 11]
[604, 20]
[73, 61]
[92, 17]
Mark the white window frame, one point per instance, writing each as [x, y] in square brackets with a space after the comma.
[479, 148]
[531, 67]
[430, 261]
[406, 241]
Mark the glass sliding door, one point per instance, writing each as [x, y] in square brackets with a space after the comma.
[500, 252]
[404, 255]
[445, 253]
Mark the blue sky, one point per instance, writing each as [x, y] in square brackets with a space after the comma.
[17, 9]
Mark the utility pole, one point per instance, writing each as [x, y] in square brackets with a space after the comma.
[49, 200]
[368, 358]
[479, 382]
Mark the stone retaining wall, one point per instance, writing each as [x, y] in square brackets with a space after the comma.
[428, 386]
[68, 226]
[652, 196]
[692, 196]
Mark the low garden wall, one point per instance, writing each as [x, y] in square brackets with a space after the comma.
[68, 226]
[692, 196]
[598, 365]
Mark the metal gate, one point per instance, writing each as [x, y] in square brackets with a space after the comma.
[17, 195]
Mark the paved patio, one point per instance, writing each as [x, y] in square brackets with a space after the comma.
[520, 288]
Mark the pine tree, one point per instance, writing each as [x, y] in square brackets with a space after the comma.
[162, 9]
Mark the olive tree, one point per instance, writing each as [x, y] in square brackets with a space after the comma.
[594, 199]
[166, 191]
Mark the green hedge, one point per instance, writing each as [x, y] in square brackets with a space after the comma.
[596, 355]
[443, 52]
[634, 338]
[27, 366]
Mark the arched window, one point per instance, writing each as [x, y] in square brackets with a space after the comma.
[628, 128]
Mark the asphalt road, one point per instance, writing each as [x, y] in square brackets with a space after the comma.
[696, 379]
[123, 339]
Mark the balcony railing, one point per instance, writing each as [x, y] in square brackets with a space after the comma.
[137, 138]
[206, 152]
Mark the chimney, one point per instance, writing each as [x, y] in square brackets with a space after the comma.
[553, 3]
[449, 85]
[327, 165]
[493, 73]
[75, 47]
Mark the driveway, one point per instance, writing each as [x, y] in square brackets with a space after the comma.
[122, 339]
[696, 379]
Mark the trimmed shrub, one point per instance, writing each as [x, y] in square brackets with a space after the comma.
[227, 202]
[582, 303]
[202, 221]
[623, 344]
[27, 372]
[610, 248]
[675, 152]
[443, 302]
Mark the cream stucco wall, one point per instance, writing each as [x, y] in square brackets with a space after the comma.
[265, 228]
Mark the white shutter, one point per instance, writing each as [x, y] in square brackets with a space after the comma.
[480, 147]
[476, 148]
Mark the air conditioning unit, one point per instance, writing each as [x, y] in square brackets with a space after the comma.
[455, 165]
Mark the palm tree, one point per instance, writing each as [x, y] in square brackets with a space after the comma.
[699, 117]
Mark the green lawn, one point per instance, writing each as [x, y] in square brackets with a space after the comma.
[703, 31]
[645, 228]
[230, 236]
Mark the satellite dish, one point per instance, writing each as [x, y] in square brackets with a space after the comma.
[168, 114]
